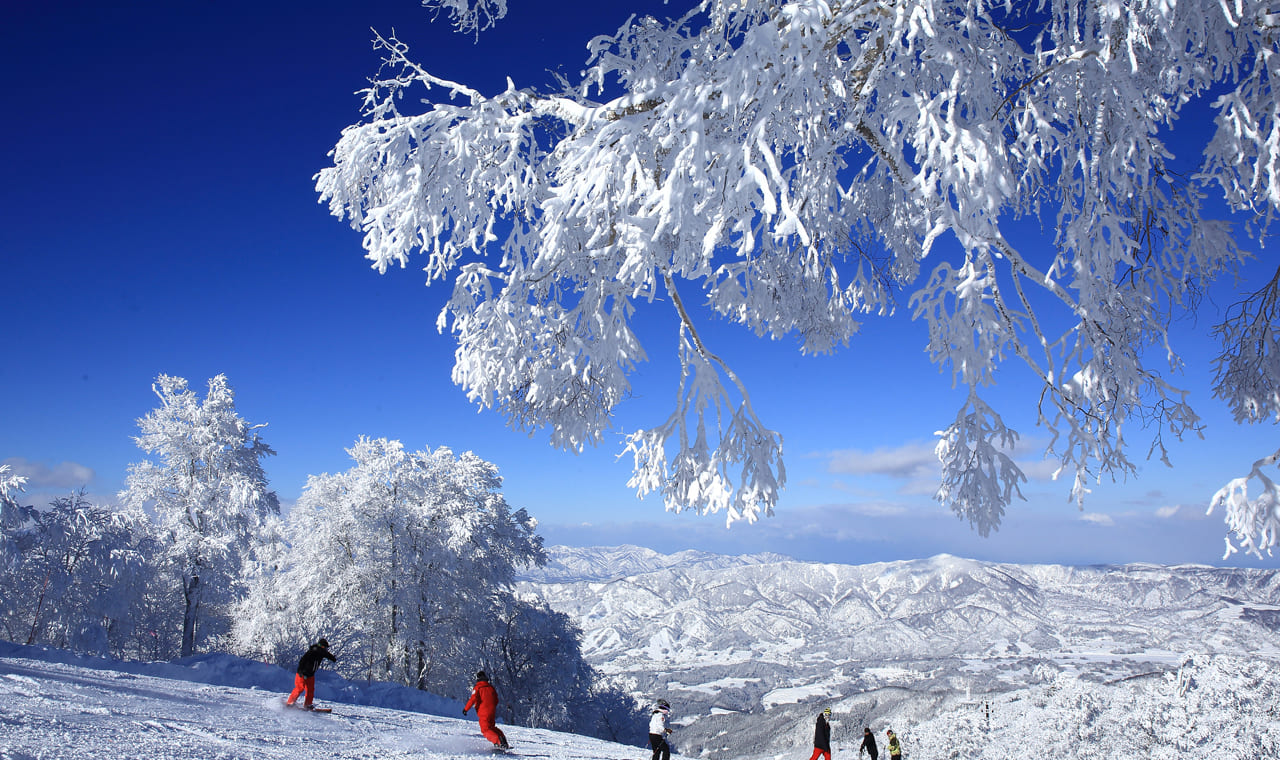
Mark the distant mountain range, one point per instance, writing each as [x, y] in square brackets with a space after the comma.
[755, 644]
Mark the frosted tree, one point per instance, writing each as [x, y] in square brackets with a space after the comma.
[15, 521]
[209, 492]
[401, 562]
[791, 167]
[535, 656]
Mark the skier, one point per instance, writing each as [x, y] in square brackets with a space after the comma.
[305, 679]
[822, 736]
[868, 744]
[895, 748]
[658, 730]
[485, 699]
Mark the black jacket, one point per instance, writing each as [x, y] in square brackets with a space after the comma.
[311, 660]
[822, 733]
[869, 744]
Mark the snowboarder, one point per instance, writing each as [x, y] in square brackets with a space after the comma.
[305, 679]
[868, 744]
[658, 730]
[822, 736]
[485, 699]
[895, 748]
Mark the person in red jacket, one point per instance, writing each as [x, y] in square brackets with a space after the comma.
[485, 699]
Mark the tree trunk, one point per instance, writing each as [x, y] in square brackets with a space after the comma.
[35, 619]
[191, 593]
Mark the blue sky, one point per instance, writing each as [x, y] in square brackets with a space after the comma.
[160, 217]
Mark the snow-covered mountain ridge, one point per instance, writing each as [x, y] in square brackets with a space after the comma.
[639, 608]
[726, 637]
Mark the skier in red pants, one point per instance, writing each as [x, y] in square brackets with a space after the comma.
[485, 700]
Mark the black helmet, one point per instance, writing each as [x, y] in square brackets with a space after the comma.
[482, 676]
[664, 704]
[324, 643]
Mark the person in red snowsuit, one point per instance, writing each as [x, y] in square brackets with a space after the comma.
[485, 699]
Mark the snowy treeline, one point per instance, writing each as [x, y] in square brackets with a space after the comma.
[406, 563]
[80, 576]
[1219, 706]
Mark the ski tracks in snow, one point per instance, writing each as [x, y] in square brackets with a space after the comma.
[55, 711]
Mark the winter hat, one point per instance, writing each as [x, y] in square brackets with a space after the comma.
[323, 643]
[826, 711]
[481, 676]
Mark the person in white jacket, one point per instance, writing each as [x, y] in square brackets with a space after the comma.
[658, 730]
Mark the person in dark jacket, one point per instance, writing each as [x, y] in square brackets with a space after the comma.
[485, 699]
[822, 736]
[305, 680]
[868, 744]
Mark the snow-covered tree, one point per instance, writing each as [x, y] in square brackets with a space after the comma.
[401, 562]
[14, 522]
[535, 655]
[791, 166]
[208, 489]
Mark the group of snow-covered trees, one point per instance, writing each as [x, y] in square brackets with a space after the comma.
[77, 575]
[799, 166]
[1219, 706]
[406, 563]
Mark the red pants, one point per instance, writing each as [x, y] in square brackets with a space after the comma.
[489, 727]
[299, 685]
[819, 752]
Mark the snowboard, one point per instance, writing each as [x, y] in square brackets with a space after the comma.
[300, 708]
[512, 751]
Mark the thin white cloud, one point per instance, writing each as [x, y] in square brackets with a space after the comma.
[906, 461]
[917, 464]
[39, 475]
[1167, 512]
[1097, 518]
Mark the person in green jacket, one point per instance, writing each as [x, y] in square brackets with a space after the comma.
[894, 747]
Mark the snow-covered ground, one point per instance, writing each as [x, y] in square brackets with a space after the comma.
[56, 705]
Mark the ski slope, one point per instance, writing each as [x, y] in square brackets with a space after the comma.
[56, 705]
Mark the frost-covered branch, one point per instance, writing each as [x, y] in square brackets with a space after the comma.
[10, 484]
[469, 15]
[795, 164]
[1254, 521]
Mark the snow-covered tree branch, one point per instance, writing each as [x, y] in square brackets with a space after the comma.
[469, 15]
[794, 165]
